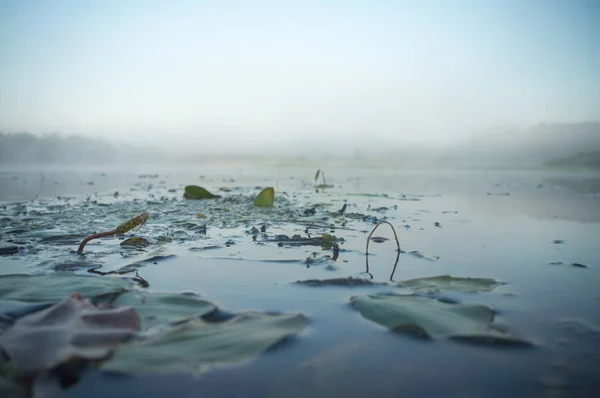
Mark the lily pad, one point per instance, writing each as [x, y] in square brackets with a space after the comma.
[347, 282]
[71, 329]
[447, 282]
[163, 308]
[265, 198]
[55, 286]
[430, 318]
[136, 241]
[197, 344]
[195, 192]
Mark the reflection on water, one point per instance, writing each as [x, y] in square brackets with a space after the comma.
[446, 223]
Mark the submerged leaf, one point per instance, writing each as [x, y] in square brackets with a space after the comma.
[195, 345]
[431, 318]
[55, 286]
[447, 282]
[265, 198]
[347, 282]
[195, 192]
[70, 329]
[163, 308]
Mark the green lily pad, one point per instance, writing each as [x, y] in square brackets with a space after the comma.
[430, 318]
[196, 345]
[447, 282]
[195, 192]
[265, 198]
[163, 308]
[55, 286]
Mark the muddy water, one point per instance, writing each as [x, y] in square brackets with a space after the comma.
[524, 229]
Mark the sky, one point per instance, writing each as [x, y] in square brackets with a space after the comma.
[249, 74]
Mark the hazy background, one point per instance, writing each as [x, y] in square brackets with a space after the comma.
[419, 82]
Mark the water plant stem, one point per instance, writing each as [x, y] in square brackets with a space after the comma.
[94, 236]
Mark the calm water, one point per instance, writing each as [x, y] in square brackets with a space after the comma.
[491, 224]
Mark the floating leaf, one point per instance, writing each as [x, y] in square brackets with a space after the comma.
[430, 318]
[195, 192]
[447, 282]
[265, 198]
[136, 241]
[162, 308]
[346, 282]
[71, 329]
[55, 286]
[195, 345]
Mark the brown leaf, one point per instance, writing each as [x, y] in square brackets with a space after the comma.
[70, 329]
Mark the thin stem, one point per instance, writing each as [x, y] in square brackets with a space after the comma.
[397, 245]
[94, 236]
[393, 230]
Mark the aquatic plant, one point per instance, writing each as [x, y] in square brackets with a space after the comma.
[128, 225]
[265, 198]
[195, 192]
[397, 245]
[324, 184]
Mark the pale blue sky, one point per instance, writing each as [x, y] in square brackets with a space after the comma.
[276, 70]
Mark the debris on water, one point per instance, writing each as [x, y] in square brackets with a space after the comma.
[8, 249]
[310, 212]
[370, 219]
[156, 259]
[576, 265]
[437, 224]
[498, 194]
[200, 215]
[417, 254]
[325, 240]
[164, 239]
[197, 249]
[379, 239]
[559, 241]
[347, 282]
[65, 239]
[380, 209]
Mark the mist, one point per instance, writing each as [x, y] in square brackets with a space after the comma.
[359, 79]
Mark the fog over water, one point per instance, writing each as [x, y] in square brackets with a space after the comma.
[339, 78]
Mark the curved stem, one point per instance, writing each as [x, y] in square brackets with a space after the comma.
[397, 245]
[94, 236]
[393, 230]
